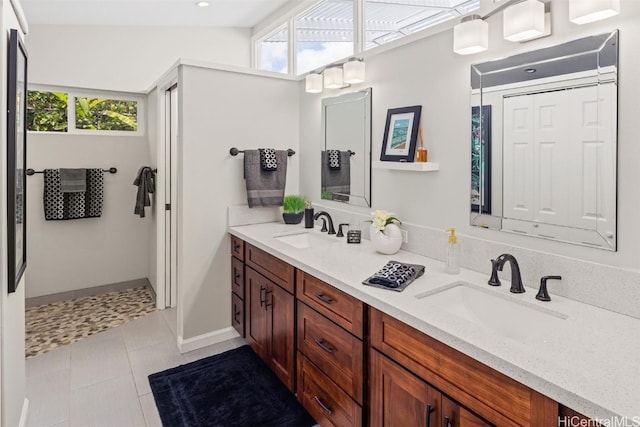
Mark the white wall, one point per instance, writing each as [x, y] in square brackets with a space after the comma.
[152, 139]
[126, 58]
[13, 388]
[428, 73]
[219, 110]
[76, 254]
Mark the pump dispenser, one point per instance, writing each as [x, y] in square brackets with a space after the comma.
[452, 261]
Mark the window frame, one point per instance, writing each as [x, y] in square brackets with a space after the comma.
[73, 93]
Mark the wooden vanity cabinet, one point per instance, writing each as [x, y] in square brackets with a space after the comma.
[270, 325]
[237, 285]
[330, 352]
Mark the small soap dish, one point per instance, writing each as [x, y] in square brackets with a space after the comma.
[354, 236]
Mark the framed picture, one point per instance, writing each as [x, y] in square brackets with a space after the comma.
[16, 160]
[401, 134]
[481, 159]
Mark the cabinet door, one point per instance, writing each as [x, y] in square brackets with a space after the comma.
[237, 314]
[399, 398]
[454, 415]
[256, 315]
[279, 304]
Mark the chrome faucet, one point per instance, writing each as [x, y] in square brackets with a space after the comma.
[516, 279]
[326, 214]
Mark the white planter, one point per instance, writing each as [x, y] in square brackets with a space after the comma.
[386, 242]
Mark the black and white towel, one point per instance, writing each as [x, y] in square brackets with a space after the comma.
[268, 161]
[333, 157]
[337, 182]
[264, 188]
[395, 276]
[63, 206]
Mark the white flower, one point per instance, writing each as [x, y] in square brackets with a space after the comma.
[381, 219]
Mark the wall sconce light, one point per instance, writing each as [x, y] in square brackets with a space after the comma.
[471, 36]
[336, 76]
[523, 21]
[586, 11]
[333, 78]
[354, 71]
[313, 83]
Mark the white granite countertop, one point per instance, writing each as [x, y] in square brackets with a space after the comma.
[589, 361]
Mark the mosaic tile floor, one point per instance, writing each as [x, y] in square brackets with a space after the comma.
[53, 325]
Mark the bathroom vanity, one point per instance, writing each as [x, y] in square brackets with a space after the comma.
[358, 355]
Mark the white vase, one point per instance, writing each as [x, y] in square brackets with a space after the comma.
[388, 241]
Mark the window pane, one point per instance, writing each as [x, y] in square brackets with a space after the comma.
[106, 114]
[47, 111]
[324, 35]
[388, 20]
[274, 52]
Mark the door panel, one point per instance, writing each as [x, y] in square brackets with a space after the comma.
[279, 304]
[256, 315]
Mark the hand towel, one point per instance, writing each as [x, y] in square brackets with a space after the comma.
[65, 206]
[264, 188]
[395, 276]
[337, 182]
[268, 161]
[73, 180]
[334, 159]
[145, 181]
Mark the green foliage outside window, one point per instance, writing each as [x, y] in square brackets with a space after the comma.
[47, 111]
[106, 114]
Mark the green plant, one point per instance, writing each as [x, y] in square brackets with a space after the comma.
[293, 204]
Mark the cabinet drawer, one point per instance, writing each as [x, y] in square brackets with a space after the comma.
[237, 277]
[271, 267]
[338, 306]
[237, 314]
[335, 351]
[237, 247]
[325, 401]
[492, 395]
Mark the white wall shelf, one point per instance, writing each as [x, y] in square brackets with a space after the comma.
[407, 166]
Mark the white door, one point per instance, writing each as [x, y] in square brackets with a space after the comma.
[170, 186]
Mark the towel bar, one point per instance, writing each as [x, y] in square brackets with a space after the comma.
[234, 152]
[31, 171]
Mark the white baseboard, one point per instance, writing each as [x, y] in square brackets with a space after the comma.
[24, 415]
[204, 340]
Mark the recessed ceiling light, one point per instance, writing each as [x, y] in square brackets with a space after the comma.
[530, 70]
[202, 4]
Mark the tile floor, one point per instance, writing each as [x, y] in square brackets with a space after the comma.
[102, 380]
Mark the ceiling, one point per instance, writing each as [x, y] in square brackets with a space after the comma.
[220, 13]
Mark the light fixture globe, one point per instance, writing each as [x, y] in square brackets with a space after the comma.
[586, 11]
[471, 36]
[354, 71]
[313, 83]
[523, 21]
[333, 78]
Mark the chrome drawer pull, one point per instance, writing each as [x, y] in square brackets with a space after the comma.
[323, 298]
[324, 407]
[323, 346]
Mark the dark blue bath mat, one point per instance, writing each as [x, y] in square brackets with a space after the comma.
[235, 388]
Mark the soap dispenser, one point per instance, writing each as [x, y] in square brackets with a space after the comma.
[452, 261]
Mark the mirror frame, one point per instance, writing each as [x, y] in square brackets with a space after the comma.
[366, 95]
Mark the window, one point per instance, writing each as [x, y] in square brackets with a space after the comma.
[74, 112]
[324, 35]
[47, 111]
[326, 32]
[274, 51]
[106, 114]
[388, 20]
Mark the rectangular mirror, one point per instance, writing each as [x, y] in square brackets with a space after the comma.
[346, 151]
[544, 142]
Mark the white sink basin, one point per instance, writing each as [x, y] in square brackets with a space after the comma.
[518, 320]
[299, 240]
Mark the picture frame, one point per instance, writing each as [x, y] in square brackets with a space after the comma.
[401, 134]
[481, 159]
[16, 160]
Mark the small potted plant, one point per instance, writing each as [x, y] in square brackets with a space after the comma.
[293, 209]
